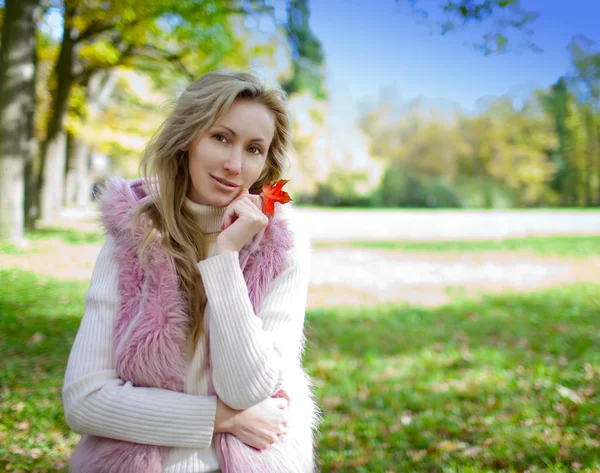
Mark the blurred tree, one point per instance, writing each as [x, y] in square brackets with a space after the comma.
[520, 158]
[90, 99]
[503, 16]
[340, 189]
[123, 126]
[306, 51]
[586, 82]
[557, 103]
[484, 160]
[17, 107]
[576, 150]
[474, 164]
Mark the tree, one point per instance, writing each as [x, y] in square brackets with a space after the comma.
[17, 106]
[99, 88]
[307, 53]
[503, 18]
[520, 156]
[556, 103]
[586, 82]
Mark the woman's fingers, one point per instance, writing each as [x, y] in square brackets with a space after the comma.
[245, 204]
[228, 217]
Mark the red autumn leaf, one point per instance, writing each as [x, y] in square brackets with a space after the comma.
[272, 193]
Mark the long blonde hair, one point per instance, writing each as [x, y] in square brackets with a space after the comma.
[164, 167]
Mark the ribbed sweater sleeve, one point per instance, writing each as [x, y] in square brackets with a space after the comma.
[250, 352]
[97, 402]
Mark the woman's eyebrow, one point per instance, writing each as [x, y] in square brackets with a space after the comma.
[235, 134]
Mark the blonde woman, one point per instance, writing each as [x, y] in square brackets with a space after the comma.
[188, 358]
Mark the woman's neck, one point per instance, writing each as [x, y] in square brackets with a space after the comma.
[208, 217]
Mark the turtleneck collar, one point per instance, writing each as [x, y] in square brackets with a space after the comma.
[208, 217]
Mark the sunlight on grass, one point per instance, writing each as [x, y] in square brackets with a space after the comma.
[572, 246]
[37, 239]
[502, 385]
[510, 383]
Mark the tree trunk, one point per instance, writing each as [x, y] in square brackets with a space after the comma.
[70, 175]
[83, 194]
[99, 89]
[598, 162]
[78, 189]
[53, 156]
[590, 158]
[596, 127]
[17, 107]
[31, 199]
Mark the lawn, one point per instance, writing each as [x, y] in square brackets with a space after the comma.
[510, 383]
[40, 239]
[567, 246]
[578, 246]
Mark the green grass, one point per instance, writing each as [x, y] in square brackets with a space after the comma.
[510, 383]
[569, 246]
[449, 209]
[38, 237]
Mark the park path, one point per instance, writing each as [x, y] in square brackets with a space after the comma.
[352, 276]
[392, 224]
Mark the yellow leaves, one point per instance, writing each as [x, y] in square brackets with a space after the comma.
[100, 53]
[450, 446]
[416, 455]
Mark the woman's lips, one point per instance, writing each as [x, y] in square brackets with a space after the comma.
[223, 183]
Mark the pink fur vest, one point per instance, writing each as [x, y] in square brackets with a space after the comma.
[152, 353]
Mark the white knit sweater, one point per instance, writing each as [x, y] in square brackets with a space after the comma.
[251, 352]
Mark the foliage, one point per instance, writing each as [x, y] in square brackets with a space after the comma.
[506, 384]
[546, 152]
[342, 188]
[403, 187]
[506, 21]
[307, 53]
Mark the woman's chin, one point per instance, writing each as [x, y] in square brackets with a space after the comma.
[219, 201]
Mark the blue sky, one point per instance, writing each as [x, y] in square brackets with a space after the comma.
[375, 44]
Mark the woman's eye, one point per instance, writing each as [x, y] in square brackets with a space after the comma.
[255, 150]
[220, 138]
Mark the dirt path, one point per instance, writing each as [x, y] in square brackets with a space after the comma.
[367, 277]
[349, 276]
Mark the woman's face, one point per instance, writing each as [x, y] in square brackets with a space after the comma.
[231, 155]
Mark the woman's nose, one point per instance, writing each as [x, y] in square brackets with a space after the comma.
[234, 163]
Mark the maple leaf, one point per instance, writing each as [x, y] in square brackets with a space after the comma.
[272, 193]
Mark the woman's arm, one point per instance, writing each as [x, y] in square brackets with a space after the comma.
[97, 402]
[251, 352]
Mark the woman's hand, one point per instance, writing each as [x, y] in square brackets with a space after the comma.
[259, 426]
[242, 220]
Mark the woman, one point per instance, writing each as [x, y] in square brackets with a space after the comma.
[190, 346]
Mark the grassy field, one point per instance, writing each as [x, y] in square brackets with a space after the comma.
[38, 240]
[568, 246]
[510, 383]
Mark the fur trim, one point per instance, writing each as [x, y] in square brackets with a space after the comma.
[103, 455]
[117, 202]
